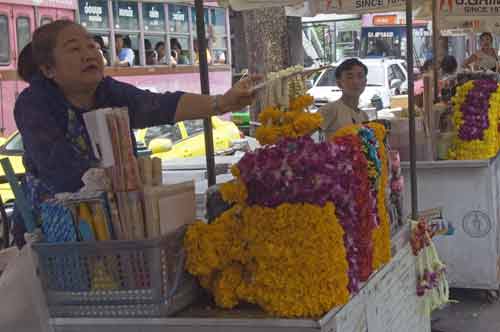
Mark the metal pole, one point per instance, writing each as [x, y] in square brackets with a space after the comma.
[205, 88]
[411, 109]
[435, 47]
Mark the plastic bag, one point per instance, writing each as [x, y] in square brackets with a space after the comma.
[22, 302]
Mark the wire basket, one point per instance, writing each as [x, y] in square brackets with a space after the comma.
[143, 278]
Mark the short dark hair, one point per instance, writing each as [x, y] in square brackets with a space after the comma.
[427, 65]
[486, 34]
[159, 44]
[449, 64]
[348, 65]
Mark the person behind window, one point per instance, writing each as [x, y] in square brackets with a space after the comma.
[351, 77]
[161, 52]
[100, 46]
[124, 53]
[487, 57]
[151, 55]
[196, 56]
[176, 55]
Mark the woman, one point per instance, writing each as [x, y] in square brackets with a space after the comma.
[486, 58]
[65, 72]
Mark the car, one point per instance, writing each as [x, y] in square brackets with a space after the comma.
[186, 139]
[386, 78]
[12, 149]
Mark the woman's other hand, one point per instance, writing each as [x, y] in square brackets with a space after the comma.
[240, 95]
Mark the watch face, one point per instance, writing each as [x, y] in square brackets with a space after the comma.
[476, 224]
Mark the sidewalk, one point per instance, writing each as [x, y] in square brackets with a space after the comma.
[473, 313]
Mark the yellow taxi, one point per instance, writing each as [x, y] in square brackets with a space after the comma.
[13, 149]
[185, 139]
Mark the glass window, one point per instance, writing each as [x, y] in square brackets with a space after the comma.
[154, 16]
[328, 78]
[125, 15]
[172, 132]
[218, 16]
[45, 20]
[180, 50]
[23, 32]
[193, 127]
[93, 14]
[220, 57]
[178, 18]
[193, 19]
[219, 42]
[4, 42]
[15, 144]
[155, 49]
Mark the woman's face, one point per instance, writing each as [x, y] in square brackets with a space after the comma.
[78, 64]
[486, 42]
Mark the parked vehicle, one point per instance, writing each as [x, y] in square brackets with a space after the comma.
[185, 139]
[386, 78]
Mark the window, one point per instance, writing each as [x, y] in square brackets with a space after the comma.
[153, 16]
[93, 14]
[193, 127]
[328, 78]
[45, 20]
[180, 50]
[218, 21]
[125, 15]
[23, 32]
[398, 73]
[178, 19]
[15, 144]
[4, 42]
[193, 20]
[172, 132]
[155, 50]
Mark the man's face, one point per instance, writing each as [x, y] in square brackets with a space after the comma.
[353, 81]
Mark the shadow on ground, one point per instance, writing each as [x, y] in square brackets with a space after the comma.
[476, 311]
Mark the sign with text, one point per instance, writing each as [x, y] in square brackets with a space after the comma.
[469, 7]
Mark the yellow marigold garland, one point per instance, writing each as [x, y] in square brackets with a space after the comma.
[382, 234]
[278, 259]
[295, 122]
[475, 149]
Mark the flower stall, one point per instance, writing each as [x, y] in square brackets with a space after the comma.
[466, 185]
[306, 242]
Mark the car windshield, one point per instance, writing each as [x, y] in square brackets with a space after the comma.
[15, 144]
[375, 77]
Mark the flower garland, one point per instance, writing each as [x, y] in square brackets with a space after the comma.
[476, 118]
[296, 122]
[431, 279]
[372, 136]
[274, 257]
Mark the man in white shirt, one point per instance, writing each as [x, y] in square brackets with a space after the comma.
[351, 78]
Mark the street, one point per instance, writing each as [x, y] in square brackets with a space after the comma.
[473, 312]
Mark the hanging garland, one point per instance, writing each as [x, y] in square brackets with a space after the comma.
[476, 118]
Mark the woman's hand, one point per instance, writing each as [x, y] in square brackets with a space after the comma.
[240, 95]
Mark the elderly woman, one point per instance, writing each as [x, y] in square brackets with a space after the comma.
[65, 73]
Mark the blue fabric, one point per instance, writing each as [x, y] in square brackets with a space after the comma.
[56, 143]
[128, 55]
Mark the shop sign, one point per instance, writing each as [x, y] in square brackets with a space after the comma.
[126, 12]
[381, 34]
[178, 17]
[93, 12]
[385, 20]
[469, 7]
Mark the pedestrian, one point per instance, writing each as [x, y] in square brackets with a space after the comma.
[486, 58]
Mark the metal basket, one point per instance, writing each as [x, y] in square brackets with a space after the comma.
[143, 278]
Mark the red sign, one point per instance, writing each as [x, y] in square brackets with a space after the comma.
[385, 20]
